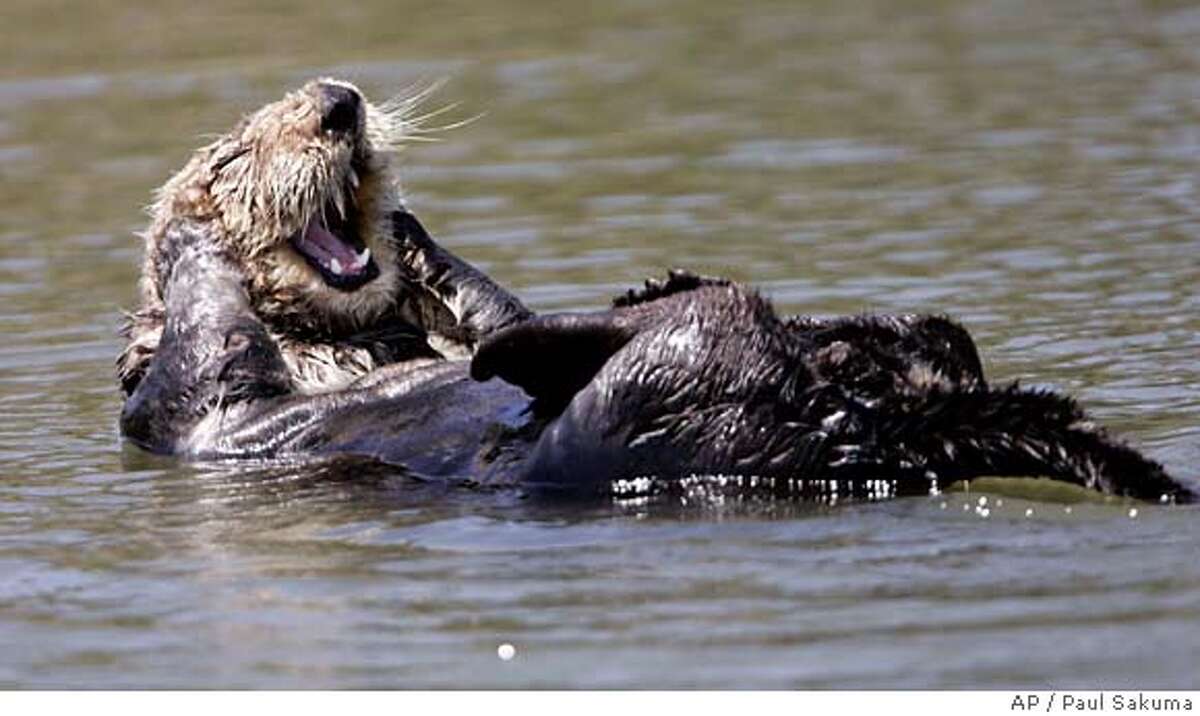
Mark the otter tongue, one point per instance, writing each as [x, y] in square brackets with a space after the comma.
[320, 244]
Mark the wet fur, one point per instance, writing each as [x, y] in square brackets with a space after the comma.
[691, 378]
[699, 377]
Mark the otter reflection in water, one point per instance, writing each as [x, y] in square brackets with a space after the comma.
[688, 376]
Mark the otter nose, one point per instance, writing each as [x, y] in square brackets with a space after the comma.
[339, 108]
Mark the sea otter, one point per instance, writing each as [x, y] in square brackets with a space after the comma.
[304, 196]
[690, 383]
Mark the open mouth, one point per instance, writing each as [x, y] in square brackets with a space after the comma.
[331, 244]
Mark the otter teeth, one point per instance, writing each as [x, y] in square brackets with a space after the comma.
[339, 203]
[351, 187]
[360, 260]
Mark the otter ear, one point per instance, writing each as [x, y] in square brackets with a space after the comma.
[552, 357]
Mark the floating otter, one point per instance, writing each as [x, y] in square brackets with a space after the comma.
[303, 195]
[689, 384]
[674, 389]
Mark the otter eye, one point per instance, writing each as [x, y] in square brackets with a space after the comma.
[339, 111]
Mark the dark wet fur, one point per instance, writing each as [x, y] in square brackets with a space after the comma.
[689, 376]
[897, 398]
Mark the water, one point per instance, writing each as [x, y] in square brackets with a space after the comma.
[1027, 167]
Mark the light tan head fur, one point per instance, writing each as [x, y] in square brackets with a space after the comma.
[258, 185]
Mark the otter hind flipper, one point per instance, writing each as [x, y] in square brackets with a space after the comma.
[918, 347]
[677, 281]
[962, 434]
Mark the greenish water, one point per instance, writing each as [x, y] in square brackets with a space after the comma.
[1030, 168]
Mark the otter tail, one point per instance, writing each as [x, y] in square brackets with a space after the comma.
[961, 434]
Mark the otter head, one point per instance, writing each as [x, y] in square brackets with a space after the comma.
[301, 193]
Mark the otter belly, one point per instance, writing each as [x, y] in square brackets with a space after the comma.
[433, 421]
[444, 426]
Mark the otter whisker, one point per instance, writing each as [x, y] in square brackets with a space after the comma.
[417, 124]
[410, 97]
[413, 138]
[392, 123]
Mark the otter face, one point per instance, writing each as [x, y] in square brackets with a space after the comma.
[302, 193]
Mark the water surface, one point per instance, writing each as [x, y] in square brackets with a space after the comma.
[1027, 167]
